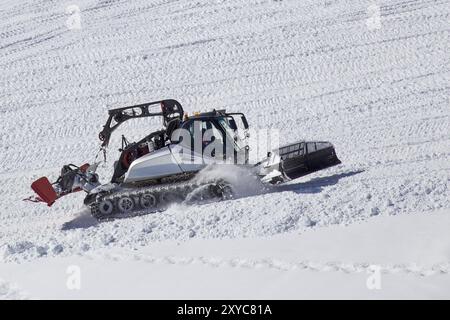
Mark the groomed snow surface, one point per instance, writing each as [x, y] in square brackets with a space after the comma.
[377, 86]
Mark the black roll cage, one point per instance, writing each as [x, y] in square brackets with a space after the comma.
[170, 109]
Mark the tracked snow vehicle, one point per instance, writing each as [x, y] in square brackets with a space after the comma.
[158, 169]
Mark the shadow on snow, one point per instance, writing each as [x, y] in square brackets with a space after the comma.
[315, 185]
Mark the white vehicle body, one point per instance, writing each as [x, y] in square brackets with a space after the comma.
[154, 165]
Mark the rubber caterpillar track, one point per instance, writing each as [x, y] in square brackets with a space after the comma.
[131, 202]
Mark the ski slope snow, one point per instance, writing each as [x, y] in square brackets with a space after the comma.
[375, 82]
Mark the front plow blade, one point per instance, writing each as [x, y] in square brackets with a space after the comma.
[44, 190]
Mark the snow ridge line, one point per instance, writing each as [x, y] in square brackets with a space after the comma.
[283, 265]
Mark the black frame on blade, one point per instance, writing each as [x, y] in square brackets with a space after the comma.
[298, 159]
[170, 109]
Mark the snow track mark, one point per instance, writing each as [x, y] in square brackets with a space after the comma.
[283, 265]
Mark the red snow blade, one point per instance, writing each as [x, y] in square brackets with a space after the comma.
[84, 167]
[44, 190]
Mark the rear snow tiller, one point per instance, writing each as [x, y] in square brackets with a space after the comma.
[158, 169]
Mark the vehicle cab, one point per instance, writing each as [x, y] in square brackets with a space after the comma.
[214, 137]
